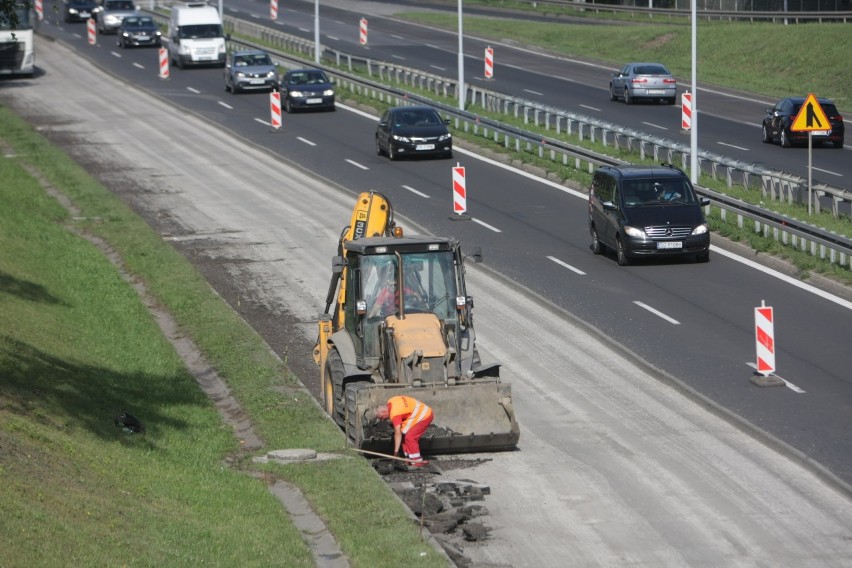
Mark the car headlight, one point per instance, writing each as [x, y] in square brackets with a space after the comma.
[297, 94]
[328, 93]
[158, 33]
[445, 137]
[399, 138]
[634, 232]
[240, 74]
[700, 229]
[271, 75]
[72, 10]
[112, 20]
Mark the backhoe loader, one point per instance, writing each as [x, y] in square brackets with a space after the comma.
[402, 324]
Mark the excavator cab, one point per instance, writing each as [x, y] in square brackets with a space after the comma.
[402, 324]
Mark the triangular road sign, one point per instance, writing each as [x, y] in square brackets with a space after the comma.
[811, 117]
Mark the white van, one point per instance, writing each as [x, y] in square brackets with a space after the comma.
[196, 36]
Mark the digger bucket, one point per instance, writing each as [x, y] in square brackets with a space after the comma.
[472, 417]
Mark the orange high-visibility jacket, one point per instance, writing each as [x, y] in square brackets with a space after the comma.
[407, 411]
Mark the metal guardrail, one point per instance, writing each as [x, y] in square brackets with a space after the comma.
[791, 232]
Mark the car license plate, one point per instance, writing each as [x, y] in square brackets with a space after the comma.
[257, 81]
[142, 38]
[314, 101]
[425, 147]
[84, 14]
[656, 92]
[821, 132]
[670, 245]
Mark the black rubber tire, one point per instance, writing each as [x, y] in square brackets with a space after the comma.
[627, 99]
[334, 370]
[621, 254]
[288, 107]
[354, 438]
[391, 154]
[379, 151]
[838, 144]
[785, 140]
[671, 100]
[597, 245]
[612, 95]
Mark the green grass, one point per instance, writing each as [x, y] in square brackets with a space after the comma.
[77, 347]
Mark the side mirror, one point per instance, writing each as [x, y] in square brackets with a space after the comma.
[705, 201]
[609, 205]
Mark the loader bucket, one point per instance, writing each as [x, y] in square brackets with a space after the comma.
[471, 417]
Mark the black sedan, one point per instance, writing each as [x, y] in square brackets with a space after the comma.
[413, 131]
[779, 119]
[79, 10]
[139, 30]
[307, 89]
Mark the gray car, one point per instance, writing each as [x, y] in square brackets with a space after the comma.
[110, 14]
[636, 81]
[250, 70]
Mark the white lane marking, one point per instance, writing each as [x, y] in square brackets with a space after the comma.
[263, 122]
[191, 90]
[335, 38]
[439, 68]
[590, 108]
[783, 277]
[431, 46]
[414, 191]
[139, 66]
[651, 124]
[733, 146]
[397, 37]
[828, 172]
[226, 105]
[534, 92]
[115, 54]
[305, 30]
[566, 265]
[486, 225]
[395, 56]
[656, 312]
[756, 125]
[305, 140]
[356, 164]
[787, 383]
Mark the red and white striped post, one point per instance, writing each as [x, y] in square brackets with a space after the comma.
[459, 190]
[686, 110]
[90, 28]
[489, 63]
[764, 331]
[164, 63]
[273, 9]
[275, 108]
[39, 8]
[362, 36]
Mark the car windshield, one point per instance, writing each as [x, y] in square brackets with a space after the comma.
[120, 5]
[417, 118]
[651, 70]
[828, 108]
[252, 59]
[308, 78]
[200, 31]
[641, 192]
[134, 22]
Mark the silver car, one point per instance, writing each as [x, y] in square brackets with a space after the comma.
[110, 14]
[250, 70]
[636, 81]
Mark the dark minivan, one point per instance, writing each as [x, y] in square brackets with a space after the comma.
[641, 211]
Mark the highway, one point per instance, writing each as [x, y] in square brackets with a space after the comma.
[678, 323]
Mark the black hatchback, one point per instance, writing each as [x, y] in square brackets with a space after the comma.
[413, 131]
[139, 31]
[642, 211]
[778, 119]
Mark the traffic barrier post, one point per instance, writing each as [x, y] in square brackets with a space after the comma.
[164, 63]
[489, 63]
[459, 193]
[273, 9]
[90, 29]
[686, 110]
[275, 109]
[362, 36]
[39, 8]
[764, 338]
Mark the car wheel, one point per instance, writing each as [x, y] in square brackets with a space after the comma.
[288, 106]
[785, 139]
[391, 154]
[623, 259]
[671, 100]
[838, 144]
[703, 257]
[379, 151]
[765, 138]
[612, 95]
[627, 99]
[597, 246]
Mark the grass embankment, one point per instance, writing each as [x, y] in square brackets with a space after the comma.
[77, 347]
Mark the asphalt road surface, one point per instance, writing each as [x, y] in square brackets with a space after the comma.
[616, 467]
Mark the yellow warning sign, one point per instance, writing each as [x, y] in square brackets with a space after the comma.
[811, 117]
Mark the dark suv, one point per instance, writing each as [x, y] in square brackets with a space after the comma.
[647, 211]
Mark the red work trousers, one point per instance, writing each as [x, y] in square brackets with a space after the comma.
[411, 440]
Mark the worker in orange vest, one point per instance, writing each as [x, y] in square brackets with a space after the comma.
[410, 419]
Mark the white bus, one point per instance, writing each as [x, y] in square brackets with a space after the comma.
[17, 56]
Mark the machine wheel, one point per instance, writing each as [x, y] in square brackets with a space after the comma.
[597, 246]
[623, 259]
[332, 388]
[612, 95]
[627, 99]
[353, 436]
[785, 140]
[379, 151]
[765, 138]
[391, 153]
